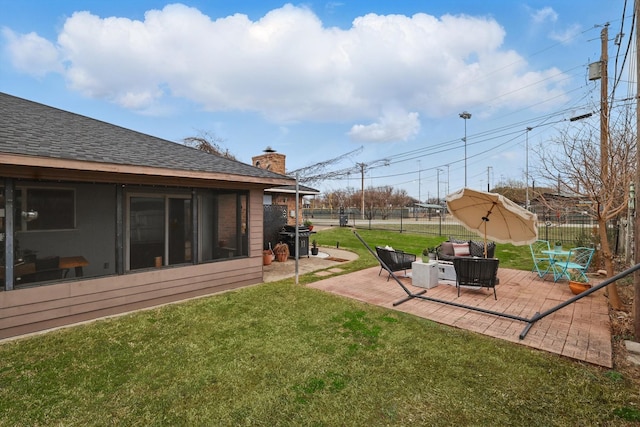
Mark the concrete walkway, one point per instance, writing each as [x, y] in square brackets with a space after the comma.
[326, 259]
[580, 331]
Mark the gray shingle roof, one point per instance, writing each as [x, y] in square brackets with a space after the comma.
[33, 129]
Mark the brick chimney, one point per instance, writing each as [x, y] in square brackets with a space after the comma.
[270, 160]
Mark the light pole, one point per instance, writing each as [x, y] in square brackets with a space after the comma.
[439, 209]
[438, 181]
[419, 190]
[466, 116]
[526, 171]
[419, 181]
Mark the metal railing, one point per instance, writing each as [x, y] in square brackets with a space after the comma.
[573, 230]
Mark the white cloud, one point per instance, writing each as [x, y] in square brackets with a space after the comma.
[567, 35]
[32, 54]
[546, 14]
[288, 67]
[393, 126]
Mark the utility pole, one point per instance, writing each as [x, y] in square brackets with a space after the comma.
[488, 179]
[526, 172]
[465, 115]
[363, 166]
[636, 234]
[604, 107]
[448, 179]
[612, 292]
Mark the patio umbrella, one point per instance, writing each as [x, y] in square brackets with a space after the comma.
[493, 216]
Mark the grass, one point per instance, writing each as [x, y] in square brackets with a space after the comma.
[517, 257]
[282, 354]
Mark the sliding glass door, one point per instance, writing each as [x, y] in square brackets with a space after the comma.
[160, 230]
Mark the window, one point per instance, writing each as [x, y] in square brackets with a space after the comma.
[44, 209]
[223, 225]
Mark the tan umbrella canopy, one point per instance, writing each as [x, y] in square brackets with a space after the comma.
[493, 216]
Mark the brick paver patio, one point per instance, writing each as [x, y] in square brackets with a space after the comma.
[580, 331]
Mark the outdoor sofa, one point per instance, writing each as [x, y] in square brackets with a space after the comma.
[453, 248]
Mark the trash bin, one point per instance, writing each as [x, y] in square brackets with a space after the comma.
[343, 220]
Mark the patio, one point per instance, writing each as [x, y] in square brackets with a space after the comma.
[580, 331]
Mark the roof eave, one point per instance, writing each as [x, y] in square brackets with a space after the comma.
[23, 162]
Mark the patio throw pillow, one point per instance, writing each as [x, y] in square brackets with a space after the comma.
[446, 248]
[461, 249]
[476, 248]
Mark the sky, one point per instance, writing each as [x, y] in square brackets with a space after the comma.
[372, 89]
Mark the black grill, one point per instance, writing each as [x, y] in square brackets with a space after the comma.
[288, 236]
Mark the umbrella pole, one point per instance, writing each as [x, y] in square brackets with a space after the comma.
[485, 237]
[485, 219]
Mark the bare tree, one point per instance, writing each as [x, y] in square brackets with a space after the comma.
[380, 200]
[336, 199]
[578, 169]
[401, 198]
[209, 143]
[512, 189]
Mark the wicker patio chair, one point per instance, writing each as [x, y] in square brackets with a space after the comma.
[478, 272]
[394, 260]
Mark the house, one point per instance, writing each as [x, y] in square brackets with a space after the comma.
[284, 195]
[97, 220]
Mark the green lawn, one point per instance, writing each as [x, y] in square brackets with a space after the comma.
[280, 354]
[518, 257]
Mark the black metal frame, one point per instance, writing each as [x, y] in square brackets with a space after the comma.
[530, 322]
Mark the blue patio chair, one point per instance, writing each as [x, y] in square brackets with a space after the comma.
[542, 263]
[578, 260]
